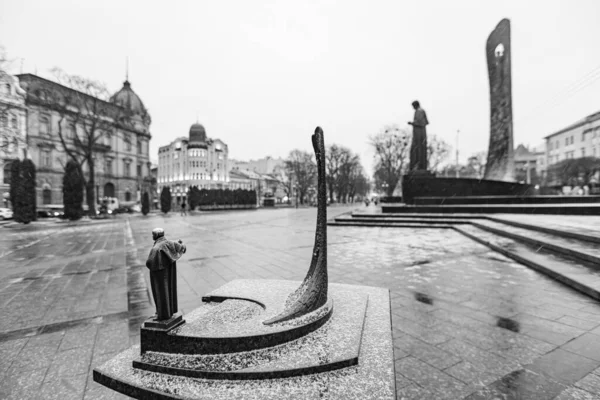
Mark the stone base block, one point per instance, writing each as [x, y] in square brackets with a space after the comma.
[164, 325]
[350, 356]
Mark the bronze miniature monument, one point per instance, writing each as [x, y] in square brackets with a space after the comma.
[162, 263]
[263, 339]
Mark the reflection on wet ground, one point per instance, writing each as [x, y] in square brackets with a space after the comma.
[467, 322]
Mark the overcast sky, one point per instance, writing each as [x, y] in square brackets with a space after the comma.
[261, 75]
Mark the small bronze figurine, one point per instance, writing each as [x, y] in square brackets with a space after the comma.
[162, 263]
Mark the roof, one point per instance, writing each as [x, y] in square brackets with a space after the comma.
[586, 120]
[129, 100]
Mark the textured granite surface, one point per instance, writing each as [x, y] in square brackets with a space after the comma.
[336, 345]
[373, 377]
[236, 325]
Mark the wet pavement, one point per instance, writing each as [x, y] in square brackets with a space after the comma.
[467, 322]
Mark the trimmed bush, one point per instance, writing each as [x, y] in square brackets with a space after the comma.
[145, 203]
[15, 179]
[220, 197]
[165, 199]
[73, 191]
[26, 192]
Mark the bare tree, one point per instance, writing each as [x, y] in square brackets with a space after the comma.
[302, 167]
[477, 163]
[86, 120]
[392, 152]
[332, 167]
[349, 167]
[357, 182]
[438, 151]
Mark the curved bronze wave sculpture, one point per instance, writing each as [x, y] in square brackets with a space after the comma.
[312, 293]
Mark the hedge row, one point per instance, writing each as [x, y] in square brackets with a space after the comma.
[219, 197]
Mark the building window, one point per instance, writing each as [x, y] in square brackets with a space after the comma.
[139, 170]
[46, 159]
[127, 196]
[47, 196]
[139, 147]
[126, 170]
[44, 126]
[14, 122]
[127, 142]
[71, 130]
[108, 168]
[7, 173]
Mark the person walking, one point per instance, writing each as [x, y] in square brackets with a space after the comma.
[183, 208]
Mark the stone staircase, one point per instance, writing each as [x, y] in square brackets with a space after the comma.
[566, 255]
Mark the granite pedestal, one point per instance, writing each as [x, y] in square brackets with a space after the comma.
[342, 350]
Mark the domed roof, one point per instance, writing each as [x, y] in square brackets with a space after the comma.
[197, 133]
[129, 100]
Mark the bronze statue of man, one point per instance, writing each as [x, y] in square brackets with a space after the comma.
[418, 148]
[162, 263]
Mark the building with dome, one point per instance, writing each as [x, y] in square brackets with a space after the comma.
[120, 148]
[193, 160]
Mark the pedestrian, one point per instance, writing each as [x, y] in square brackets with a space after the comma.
[183, 208]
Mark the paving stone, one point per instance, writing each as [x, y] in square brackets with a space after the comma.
[488, 361]
[9, 351]
[414, 392]
[587, 345]
[69, 363]
[573, 393]
[428, 377]
[472, 374]
[563, 366]
[591, 383]
[74, 338]
[521, 384]
[65, 388]
[425, 352]
[33, 358]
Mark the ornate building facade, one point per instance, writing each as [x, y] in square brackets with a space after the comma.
[195, 160]
[121, 150]
[13, 134]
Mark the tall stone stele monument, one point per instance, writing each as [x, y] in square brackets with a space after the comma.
[500, 161]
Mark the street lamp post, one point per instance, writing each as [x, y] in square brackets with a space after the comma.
[296, 189]
[457, 133]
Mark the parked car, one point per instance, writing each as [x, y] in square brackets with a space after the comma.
[5, 213]
[44, 214]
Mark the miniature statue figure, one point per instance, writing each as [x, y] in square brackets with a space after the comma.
[162, 262]
[418, 148]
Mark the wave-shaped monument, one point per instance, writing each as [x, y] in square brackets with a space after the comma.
[267, 339]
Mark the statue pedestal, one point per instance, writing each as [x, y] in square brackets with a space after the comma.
[420, 173]
[341, 350]
[164, 325]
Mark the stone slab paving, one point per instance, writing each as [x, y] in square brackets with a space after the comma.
[467, 322]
